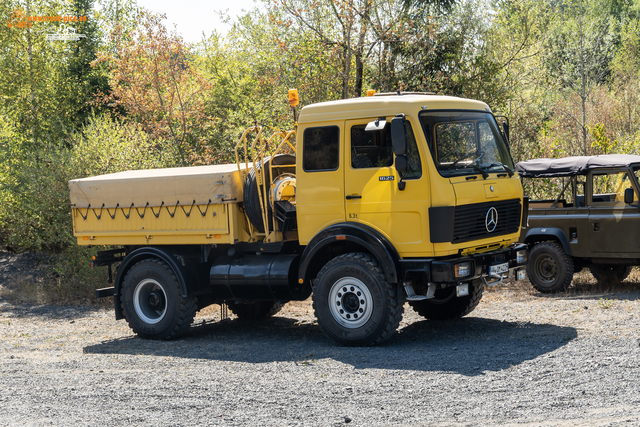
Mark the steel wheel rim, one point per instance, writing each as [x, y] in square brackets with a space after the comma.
[150, 301]
[350, 302]
[546, 268]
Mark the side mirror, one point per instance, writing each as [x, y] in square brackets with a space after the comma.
[628, 195]
[399, 135]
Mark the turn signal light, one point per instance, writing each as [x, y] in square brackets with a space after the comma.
[294, 100]
[462, 269]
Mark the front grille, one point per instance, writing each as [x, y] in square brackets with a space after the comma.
[470, 220]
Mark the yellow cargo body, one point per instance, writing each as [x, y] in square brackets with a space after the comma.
[174, 206]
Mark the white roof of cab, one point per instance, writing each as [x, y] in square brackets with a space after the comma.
[386, 105]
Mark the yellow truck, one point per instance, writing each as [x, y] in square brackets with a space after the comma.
[367, 204]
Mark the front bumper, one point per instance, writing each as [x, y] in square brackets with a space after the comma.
[443, 270]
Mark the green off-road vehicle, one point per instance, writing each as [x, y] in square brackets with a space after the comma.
[593, 221]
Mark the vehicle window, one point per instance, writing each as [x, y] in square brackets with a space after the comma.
[321, 147]
[579, 196]
[466, 142]
[609, 187]
[488, 144]
[374, 149]
[455, 141]
[371, 149]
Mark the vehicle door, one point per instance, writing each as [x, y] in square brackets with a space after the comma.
[614, 227]
[320, 177]
[372, 193]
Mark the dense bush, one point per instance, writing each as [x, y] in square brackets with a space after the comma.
[34, 192]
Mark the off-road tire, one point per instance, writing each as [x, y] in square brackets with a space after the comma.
[610, 274]
[446, 305]
[170, 315]
[354, 284]
[549, 268]
[257, 310]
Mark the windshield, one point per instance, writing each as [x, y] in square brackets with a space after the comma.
[465, 142]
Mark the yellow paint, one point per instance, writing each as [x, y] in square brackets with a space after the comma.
[398, 215]
[319, 195]
[100, 228]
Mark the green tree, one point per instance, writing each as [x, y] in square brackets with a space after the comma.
[155, 79]
[581, 49]
[80, 82]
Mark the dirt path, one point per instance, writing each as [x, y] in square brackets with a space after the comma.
[520, 359]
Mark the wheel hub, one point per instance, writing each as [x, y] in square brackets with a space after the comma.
[350, 302]
[150, 301]
[154, 301]
[547, 269]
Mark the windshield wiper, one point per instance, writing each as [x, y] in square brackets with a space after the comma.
[509, 171]
[483, 172]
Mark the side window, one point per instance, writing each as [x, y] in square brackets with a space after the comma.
[371, 149]
[321, 149]
[374, 149]
[609, 187]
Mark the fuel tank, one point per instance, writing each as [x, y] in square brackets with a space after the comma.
[264, 277]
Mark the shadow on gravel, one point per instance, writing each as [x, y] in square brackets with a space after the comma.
[466, 346]
[588, 291]
[24, 310]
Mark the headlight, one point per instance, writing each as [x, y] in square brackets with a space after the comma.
[462, 269]
[521, 256]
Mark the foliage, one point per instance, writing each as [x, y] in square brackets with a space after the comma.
[155, 79]
[250, 73]
[34, 195]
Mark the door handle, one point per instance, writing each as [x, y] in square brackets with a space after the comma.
[353, 197]
[596, 226]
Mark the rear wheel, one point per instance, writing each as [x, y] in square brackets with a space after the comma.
[610, 274]
[152, 303]
[354, 303]
[256, 310]
[446, 305]
[549, 268]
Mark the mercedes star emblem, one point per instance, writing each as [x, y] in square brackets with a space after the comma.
[491, 220]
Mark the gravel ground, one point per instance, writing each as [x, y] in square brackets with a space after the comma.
[521, 358]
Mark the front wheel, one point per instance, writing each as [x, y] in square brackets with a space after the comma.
[447, 305]
[152, 302]
[549, 268]
[354, 303]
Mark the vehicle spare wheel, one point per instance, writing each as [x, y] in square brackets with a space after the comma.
[283, 188]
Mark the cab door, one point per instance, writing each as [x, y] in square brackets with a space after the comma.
[371, 192]
[320, 177]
